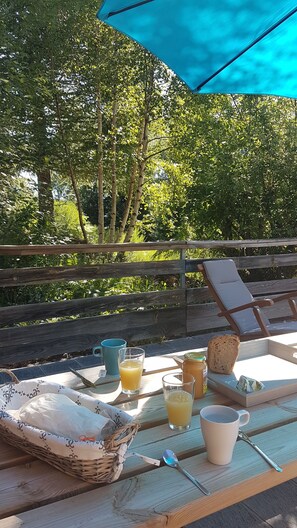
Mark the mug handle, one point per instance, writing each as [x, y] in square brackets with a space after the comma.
[98, 347]
[244, 417]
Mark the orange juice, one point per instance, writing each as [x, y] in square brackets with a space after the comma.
[131, 372]
[179, 405]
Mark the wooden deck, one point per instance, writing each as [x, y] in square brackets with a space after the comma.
[51, 326]
[276, 508]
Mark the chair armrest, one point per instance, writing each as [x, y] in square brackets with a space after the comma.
[255, 306]
[285, 296]
[292, 303]
[260, 303]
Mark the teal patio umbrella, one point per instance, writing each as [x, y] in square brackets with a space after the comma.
[216, 46]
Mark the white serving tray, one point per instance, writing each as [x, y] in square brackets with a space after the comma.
[272, 360]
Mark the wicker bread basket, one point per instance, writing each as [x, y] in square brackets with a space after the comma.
[92, 461]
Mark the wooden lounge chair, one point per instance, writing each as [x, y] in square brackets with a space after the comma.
[237, 304]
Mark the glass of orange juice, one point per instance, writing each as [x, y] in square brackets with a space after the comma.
[131, 366]
[178, 389]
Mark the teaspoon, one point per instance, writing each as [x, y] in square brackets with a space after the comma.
[171, 460]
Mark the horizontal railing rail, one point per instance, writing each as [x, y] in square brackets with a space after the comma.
[58, 249]
[182, 307]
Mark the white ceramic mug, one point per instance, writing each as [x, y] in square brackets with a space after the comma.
[220, 426]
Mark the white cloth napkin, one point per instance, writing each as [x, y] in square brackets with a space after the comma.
[58, 414]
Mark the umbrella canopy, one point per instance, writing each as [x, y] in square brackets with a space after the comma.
[216, 46]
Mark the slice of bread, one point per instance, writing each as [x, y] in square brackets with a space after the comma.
[222, 353]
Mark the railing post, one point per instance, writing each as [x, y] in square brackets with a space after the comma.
[182, 275]
[182, 281]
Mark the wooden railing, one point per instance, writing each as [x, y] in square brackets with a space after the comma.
[77, 324]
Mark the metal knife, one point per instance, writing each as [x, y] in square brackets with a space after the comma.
[245, 437]
[85, 381]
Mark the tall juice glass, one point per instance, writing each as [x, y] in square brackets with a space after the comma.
[131, 366]
[178, 389]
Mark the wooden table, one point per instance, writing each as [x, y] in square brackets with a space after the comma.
[35, 495]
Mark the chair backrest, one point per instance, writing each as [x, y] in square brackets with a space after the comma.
[230, 291]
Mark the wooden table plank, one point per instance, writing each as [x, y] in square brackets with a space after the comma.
[112, 392]
[11, 456]
[151, 364]
[147, 442]
[151, 410]
[147, 500]
[276, 412]
[34, 484]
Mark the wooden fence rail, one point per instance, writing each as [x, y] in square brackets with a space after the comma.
[46, 329]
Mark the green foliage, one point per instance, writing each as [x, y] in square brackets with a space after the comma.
[240, 151]
[214, 167]
[67, 223]
[165, 209]
[18, 211]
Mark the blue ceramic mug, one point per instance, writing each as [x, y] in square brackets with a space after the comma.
[109, 351]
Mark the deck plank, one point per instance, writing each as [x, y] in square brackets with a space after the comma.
[238, 516]
[274, 508]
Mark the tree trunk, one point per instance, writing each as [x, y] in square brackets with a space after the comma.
[100, 171]
[113, 214]
[45, 196]
[143, 154]
[71, 173]
[69, 162]
[42, 171]
[141, 174]
[131, 186]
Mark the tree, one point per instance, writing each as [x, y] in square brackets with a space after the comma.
[84, 106]
[38, 38]
[241, 153]
[123, 84]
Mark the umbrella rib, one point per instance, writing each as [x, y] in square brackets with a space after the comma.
[112, 13]
[246, 48]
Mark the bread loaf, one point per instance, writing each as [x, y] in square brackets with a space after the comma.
[222, 353]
